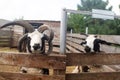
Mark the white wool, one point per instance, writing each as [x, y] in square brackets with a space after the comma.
[35, 38]
[90, 41]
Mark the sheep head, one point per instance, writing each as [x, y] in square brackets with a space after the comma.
[34, 41]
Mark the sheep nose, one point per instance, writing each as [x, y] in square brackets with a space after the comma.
[36, 46]
[87, 49]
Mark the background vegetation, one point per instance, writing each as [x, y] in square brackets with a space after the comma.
[78, 22]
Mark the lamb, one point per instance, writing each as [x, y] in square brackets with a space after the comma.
[92, 44]
[34, 41]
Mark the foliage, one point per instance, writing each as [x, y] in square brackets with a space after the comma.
[78, 22]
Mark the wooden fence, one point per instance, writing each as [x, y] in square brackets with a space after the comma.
[74, 40]
[59, 63]
[54, 62]
[6, 38]
[73, 46]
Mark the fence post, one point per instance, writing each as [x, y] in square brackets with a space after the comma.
[63, 32]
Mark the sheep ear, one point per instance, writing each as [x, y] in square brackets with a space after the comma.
[49, 43]
[22, 43]
[45, 37]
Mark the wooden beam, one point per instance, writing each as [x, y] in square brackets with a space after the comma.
[76, 46]
[71, 49]
[74, 59]
[33, 60]
[93, 76]
[21, 76]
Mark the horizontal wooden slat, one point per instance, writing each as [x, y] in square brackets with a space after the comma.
[90, 59]
[6, 33]
[110, 49]
[5, 37]
[5, 43]
[115, 67]
[21, 76]
[94, 76]
[110, 38]
[75, 37]
[33, 60]
[6, 40]
[71, 49]
[76, 46]
[74, 40]
[56, 50]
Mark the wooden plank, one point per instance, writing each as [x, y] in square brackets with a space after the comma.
[77, 35]
[56, 50]
[110, 38]
[5, 33]
[71, 49]
[33, 60]
[110, 49]
[5, 37]
[94, 76]
[115, 67]
[21, 76]
[76, 46]
[107, 68]
[77, 41]
[74, 59]
[5, 41]
[59, 72]
[4, 44]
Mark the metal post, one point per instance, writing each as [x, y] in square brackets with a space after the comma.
[71, 31]
[86, 31]
[63, 32]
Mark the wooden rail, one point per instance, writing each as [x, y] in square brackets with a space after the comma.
[6, 38]
[94, 76]
[5, 41]
[91, 59]
[74, 59]
[55, 62]
[74, 40]
[58, 63]
[77, 39]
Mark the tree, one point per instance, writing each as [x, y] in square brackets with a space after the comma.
[78, 22]
[88, 5]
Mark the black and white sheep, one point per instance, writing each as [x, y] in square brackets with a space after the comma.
[34, 41]
[92, 44]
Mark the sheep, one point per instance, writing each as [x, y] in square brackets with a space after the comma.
[92, 44]
[34, 41]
